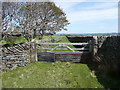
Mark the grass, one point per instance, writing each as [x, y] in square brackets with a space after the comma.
[23, 40]
[15, 41]
[53, 37]
[51, 75]
[64, 40]
[3, 42]
[20, 40]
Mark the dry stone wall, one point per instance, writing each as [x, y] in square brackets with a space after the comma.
[15, 56]
[107, 47]
[107, 53]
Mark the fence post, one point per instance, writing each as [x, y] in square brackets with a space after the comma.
[1, 55]
[91, 47]
[33, 52]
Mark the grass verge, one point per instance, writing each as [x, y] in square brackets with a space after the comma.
[51, 75]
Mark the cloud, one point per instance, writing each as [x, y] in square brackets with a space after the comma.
[93, 15]
[85, 0]
[66, 6]
[100, 5]
[90, 16]
[77, 12]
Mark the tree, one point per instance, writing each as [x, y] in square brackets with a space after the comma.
[9, 14]
[38, 18]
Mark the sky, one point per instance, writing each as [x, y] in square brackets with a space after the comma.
[90, 16]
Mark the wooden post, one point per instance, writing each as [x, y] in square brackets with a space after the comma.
[1, 55]
[35, 48]
[33, 52]
[91, 47]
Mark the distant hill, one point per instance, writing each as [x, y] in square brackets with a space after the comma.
[89, 34]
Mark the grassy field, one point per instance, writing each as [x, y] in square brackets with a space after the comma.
[53, 36]
[51, 75]
[17, 40]
[64, 40]
[22, 39]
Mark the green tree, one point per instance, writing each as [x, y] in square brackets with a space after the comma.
[34, 18]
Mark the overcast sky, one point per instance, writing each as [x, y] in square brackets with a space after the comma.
[90, 17]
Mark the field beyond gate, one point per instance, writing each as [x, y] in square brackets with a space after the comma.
[52, 52]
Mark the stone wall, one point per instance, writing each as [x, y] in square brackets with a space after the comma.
[107, 47]
[15, 56]
[107, 53]
[80, 39]
[77, 39]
